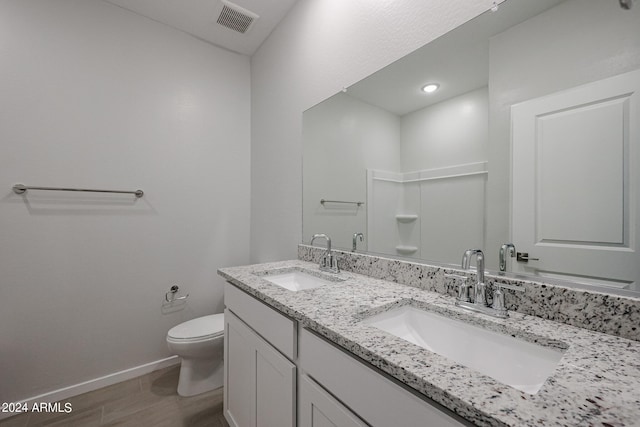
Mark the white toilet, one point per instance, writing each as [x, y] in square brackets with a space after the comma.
[200, 344]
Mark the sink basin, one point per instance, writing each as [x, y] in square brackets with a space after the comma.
[515, 362]
[297, 280]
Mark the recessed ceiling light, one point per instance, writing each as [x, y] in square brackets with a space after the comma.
[430, 88]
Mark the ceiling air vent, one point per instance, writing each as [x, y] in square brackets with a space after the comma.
[235, 17]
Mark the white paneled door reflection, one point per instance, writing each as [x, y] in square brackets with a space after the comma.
[576, 183]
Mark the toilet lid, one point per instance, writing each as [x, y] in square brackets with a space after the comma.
[200, 327]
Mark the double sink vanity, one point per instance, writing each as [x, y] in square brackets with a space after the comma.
[311, 348]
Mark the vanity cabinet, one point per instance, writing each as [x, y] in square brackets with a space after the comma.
[266, 355]
[259, 381]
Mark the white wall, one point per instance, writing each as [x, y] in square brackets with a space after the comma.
[343, 138]
[94, 96]
[320, 47]
[449, 133]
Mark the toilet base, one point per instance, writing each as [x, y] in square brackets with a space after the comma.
[199, 376]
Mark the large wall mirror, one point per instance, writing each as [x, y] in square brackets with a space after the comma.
[532, 138]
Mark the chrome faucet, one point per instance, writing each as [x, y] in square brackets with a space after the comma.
[328, 262]
[480, 302]
[355, 240]
[480, 289]
[508, 249]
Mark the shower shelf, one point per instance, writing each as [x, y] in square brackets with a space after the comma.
[406, 217]
[406, 250]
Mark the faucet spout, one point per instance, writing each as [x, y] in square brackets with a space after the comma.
[355, 241]
[466, 259]
[508, 249]
[328, 262]
[480, 293]
[322, 236]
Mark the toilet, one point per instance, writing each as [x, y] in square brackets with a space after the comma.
[199, 342]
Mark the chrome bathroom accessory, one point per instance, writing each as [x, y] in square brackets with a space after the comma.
[480, 302]
[328, 262]
[21, 189]
[463, 288]
[506, 250]
[323, 201]
[171, 295]
[355, 241]
[524, 257]
[480, 289]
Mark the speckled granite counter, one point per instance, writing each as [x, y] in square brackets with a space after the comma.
[597, 382]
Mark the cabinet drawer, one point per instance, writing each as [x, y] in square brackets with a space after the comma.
[373, 397]
[274, 327]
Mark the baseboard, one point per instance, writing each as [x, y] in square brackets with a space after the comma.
[107, 380]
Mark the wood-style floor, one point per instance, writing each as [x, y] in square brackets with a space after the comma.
[147, 401]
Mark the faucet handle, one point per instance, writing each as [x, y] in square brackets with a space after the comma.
[498, 298]
[333, 263]
[323, 261]
[329, 262]
[463, 288]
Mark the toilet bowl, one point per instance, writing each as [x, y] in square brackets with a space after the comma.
[199, 342]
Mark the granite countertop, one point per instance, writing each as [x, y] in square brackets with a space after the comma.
[596, 383]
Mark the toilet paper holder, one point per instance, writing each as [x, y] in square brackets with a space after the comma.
[171, 295]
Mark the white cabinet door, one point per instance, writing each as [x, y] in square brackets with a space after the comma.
[275, 388]
[239, 373]
[576, 182]
[260, 383]
[319, 409]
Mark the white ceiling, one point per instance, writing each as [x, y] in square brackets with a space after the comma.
[458, 61]
[198, 18]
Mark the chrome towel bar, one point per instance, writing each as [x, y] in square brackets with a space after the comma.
[21, 189]
[323, 201]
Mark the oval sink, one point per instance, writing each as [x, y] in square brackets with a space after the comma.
[515, 362]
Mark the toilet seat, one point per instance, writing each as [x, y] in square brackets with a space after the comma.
[199, 329]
